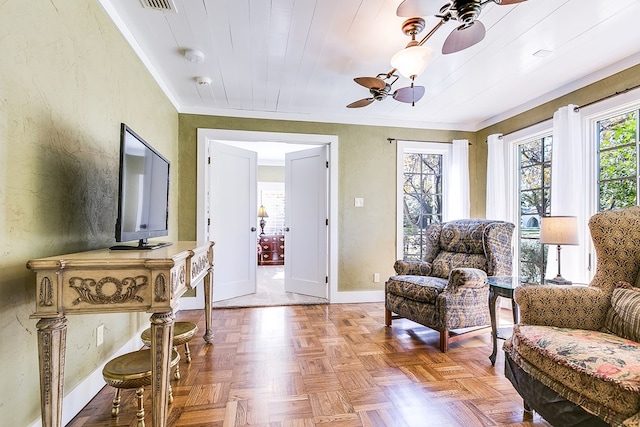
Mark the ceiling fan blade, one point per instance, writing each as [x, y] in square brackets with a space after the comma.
[370, 82]
[361, 103]
[506, 2]
[411, 8]
[463, 37]
[409, 94]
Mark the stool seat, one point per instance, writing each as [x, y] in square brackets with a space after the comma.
[133, 371]
[182, 334]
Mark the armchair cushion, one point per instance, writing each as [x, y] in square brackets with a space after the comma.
[416, 288]
[623, 318]
[445, 262]
[600, 370]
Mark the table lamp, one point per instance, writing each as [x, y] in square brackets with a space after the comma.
[262, 214]
[559, 230]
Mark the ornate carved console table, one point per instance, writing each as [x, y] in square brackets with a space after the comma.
[104, 281]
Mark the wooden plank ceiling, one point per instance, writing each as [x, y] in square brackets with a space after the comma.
[296, 59]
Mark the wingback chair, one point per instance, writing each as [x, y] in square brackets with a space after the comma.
[448, 290]
[575, 355]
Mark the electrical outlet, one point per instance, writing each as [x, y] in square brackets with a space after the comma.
[376, 277]
[359, 202]
[99, 335]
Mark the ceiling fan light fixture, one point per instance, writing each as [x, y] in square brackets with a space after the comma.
[412, 60]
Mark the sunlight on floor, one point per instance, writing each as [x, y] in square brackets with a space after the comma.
[269, 292]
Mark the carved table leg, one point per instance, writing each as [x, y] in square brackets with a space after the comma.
[208, 295]
[493, 297]
[161, 345]
[52, 338]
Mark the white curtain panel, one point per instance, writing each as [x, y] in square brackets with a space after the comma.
[569, 192]
[457, 194]
[497, 201]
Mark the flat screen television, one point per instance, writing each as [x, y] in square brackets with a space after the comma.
[143, 193]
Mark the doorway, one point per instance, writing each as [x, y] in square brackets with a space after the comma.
[263, 143]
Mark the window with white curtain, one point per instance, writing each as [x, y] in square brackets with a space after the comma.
[421, 183]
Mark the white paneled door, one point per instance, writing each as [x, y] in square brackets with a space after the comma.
[233, 220]
[306, 217]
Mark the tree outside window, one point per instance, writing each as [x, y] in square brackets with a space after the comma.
[422, 200]
[534, 182]
[618, 161]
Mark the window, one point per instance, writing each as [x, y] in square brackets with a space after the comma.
[534, 184]
[422, 200]
[617, 156]
[420, 194]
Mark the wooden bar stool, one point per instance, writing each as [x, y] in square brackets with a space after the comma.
[182, 334]
[133, 371]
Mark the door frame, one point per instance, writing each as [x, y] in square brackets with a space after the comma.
[205, 135]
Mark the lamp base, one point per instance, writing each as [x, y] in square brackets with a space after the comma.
[558, 280]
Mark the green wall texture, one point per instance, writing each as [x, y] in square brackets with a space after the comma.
[67, 80]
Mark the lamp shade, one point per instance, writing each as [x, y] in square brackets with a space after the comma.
[559, 230]
[262, 212]
[412, 61]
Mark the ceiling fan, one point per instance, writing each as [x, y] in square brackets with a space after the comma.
[380, 89]
[471, 30]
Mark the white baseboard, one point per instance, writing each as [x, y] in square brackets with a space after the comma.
[357, 296]
[82, 394]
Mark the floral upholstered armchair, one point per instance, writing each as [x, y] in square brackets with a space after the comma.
[575, 355]
[448, 290]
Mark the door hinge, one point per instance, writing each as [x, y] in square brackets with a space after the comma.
[208, 221]
[209, 160]
[327, 221]
[326, 279]
[327, 164]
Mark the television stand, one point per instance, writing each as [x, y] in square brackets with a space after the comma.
[103, 281]
[142, 246]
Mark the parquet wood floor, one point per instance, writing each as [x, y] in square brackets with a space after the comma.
[331, 365]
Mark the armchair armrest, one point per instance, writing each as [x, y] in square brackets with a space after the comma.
[563, 306]
[463, 302]
[466, 278]
[413, 268]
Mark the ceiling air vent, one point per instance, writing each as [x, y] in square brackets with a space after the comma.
[163, 5]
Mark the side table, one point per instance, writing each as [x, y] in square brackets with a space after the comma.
[501, 286]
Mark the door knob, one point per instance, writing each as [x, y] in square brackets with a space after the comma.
[286, 229]
[253, 229]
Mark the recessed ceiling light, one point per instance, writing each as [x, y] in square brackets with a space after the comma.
[543, 53]
[194, 55]
[203, 81]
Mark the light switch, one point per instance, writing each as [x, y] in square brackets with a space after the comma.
[359, 202]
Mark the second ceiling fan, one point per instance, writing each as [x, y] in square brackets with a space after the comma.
[466, 12]
[380, 89]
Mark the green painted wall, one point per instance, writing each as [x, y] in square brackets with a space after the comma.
[367, 168]
[67, 80]
[270, 173]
